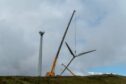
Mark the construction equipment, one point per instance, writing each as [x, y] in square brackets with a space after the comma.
[68, 70]
[52, 71]
[74, 56]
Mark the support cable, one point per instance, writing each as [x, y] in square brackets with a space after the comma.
[75, 31]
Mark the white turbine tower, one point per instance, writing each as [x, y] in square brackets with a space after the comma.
[40, 54]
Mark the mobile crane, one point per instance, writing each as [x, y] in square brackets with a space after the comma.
[51, 73]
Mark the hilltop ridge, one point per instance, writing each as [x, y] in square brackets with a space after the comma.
[92, 79]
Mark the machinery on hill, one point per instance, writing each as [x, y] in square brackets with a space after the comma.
[74, 56]
[51, 73]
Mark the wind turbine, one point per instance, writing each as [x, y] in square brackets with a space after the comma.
[40, 54]
[74, 56]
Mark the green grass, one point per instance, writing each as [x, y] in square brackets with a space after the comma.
[94, 79]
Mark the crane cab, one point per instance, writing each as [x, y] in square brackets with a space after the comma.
[50, 74]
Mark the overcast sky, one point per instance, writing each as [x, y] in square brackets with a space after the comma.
[100, 25]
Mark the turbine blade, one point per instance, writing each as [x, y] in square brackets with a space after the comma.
[85, 53]
[68, 69]
[67, 65]
[70, 49]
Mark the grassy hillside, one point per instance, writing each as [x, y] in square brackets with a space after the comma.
[103, 79]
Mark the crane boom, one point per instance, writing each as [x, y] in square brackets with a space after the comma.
[52, 73]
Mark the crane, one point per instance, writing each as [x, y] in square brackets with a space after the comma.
[51, 73]
[74, 56]
[68, 69]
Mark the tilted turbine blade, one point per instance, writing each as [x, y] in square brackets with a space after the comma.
[68, 69]
[67, 65]
[85, 53]
[70, 49]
